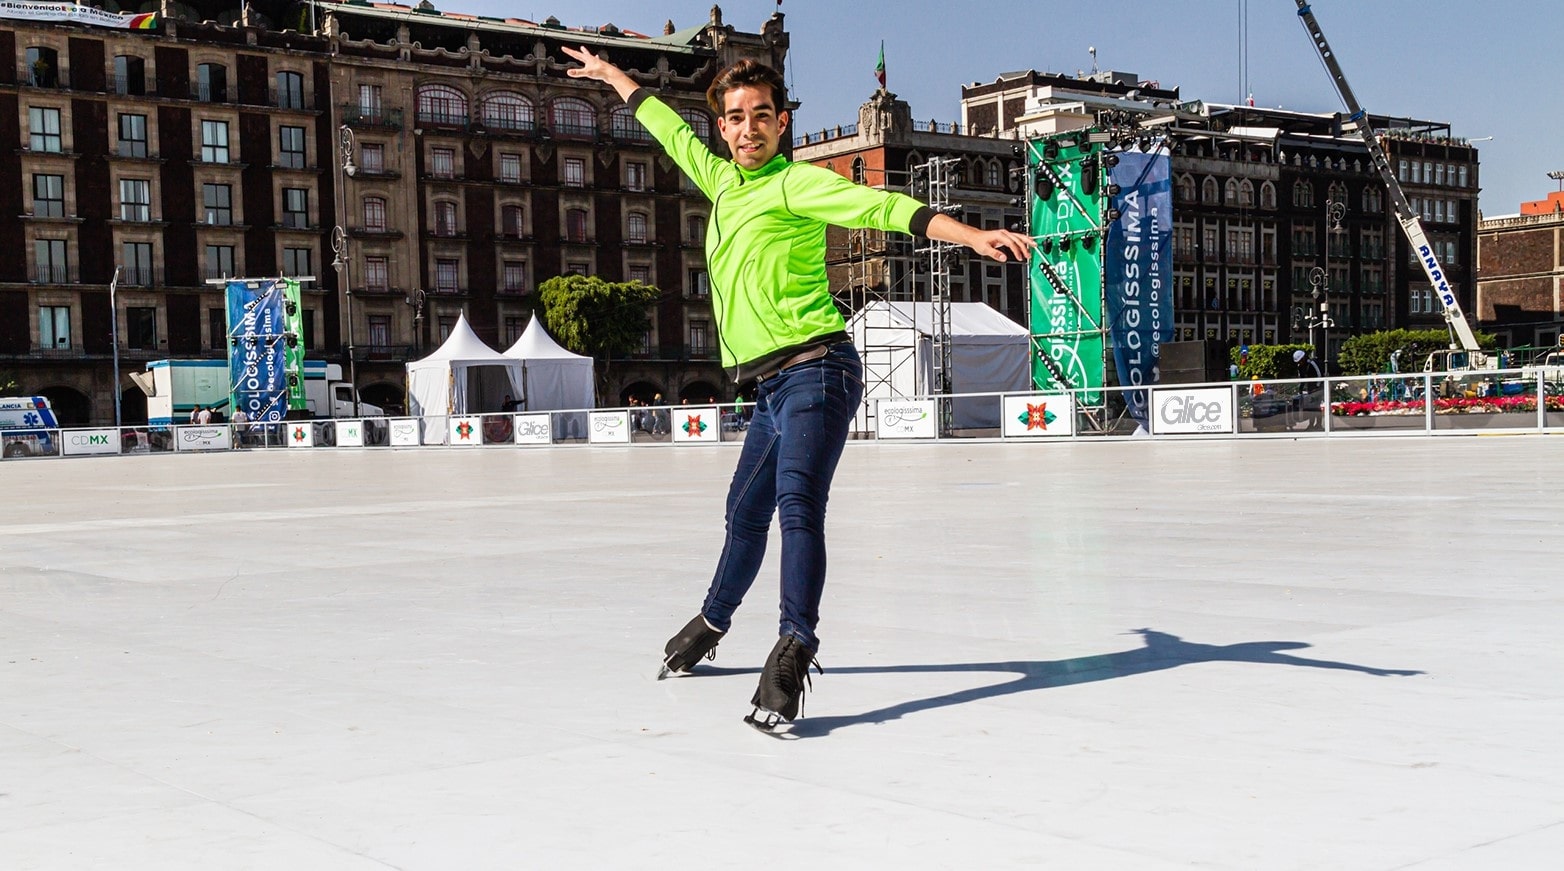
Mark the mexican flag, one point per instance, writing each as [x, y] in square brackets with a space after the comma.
[879, 68]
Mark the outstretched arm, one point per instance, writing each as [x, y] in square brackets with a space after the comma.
[993, 244]
[594, 67]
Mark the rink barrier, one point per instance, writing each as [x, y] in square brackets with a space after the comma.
[1509, 401]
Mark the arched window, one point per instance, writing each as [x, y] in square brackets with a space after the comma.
[858, 173]
[211, 83]
[130, 75]
[573, 117]
[1338, 192]
[1302, 194]
[996, 176]
[444, 218]
[43, 67]
[442, 104]
[1373, 200]
[699, 122]
[507, 110]
[512, 220]
[1186, 188]
[623, 126]
[635, 227]
[1267, 195]
[1210, 193]
[1230, 192]
[1246, 194]
[375, 214]
[290, 90]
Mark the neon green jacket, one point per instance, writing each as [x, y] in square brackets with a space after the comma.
[765, 242]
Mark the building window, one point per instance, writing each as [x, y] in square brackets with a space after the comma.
[1246, 194]
[573, 117]
[1267, 195]
[290, 90]
[640, 274]
[505, 110]
[372, 158]
[442, 104]
[1210, 194]
[295, 208]
[218, 199]
[130, 76]
[575, 172]
[695, 228]
[43, 130]
[623, 125]
[1461, 176]
[576, 225]
[445, 218]
[858, 173]
[132, 135]
[141, 328]
[699, 286]
[42, 67]
[442, 162]
[136, 260]
[700, 337]
[444, 325]
[369, 102]
[54, 326]
[296, 262]
[214, 141]
[290, 147]
[219, 261]
[1186, 188]
[635, 176]
[446, 275]
[511, 218]
[211, 83]
[375, 214]
[376, 273]
[578, 268]
[217, 328]
[135, 199]
[635, 224]
[1302, 194]
[48, 196]
[514, 276]
[380, 331]
[514, 327]
[510, 168]
[700, 122]
[994, 178]
[1230, 192]
[49, 255]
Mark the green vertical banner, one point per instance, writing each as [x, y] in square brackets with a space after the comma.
[293, 308]
[1065, 275]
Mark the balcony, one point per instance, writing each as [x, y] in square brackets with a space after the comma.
[42, 76]
[136, 148]
[48, 273]
[374, 232]
[292, 221]
[517, 126]
[131, 86]
[286, 99]
[355, 115]
[444, 119]
[140, 276]
[384, 353]
[209, 92]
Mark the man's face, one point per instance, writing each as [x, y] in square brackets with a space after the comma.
[751, 125]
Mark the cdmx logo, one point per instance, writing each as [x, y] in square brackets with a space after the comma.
[895, 415]
[92, 440]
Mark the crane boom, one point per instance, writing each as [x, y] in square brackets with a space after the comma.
[1358, 123]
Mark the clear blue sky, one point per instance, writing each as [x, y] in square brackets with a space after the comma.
[1489, 69]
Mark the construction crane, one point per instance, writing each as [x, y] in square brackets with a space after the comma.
[1358, 122]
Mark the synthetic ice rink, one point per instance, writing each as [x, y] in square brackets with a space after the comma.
[1269, 654]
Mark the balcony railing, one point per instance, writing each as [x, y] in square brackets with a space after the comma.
[208, 92]
[49, 273]
[444, 119]
[140, 276]
[131, 86]
[286, 99]
[509, 125]
[131, 148]
[42, 76]
[355, 115]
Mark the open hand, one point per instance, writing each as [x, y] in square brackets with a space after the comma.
[994, 244]
[594, 67]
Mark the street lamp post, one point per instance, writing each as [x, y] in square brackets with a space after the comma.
[415, 301]
[114, 340]
[339, 247]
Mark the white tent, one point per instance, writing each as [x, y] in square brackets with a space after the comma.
[464, 376]
[988, 354]
[552, 377]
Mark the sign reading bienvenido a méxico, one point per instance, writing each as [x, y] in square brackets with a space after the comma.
[27, 11]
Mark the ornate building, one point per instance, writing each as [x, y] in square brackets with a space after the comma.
[462, 164]
[1521, 273]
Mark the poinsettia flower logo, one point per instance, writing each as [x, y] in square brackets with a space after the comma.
[693, 426]
[464, 429]
[1037, 416]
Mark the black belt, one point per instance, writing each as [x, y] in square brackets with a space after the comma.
[814, 353]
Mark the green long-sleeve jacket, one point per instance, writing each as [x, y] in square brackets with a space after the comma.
[765, 242]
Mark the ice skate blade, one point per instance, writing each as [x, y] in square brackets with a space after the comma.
[766, 722]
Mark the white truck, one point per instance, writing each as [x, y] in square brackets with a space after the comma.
[175, 387]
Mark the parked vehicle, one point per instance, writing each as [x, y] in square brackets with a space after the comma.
[175, 387]
[27, 427]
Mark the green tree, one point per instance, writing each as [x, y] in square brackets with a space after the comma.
[8, 384]
[1267, 361]
[1369, 354]
[601, 319]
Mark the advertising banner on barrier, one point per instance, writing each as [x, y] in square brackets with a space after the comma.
[202, 438]
[300, 434]
[1032, 415]
[350, 433]
[404, 432]
[905, 419]
[609, 428]
[532, 429]
[1204, 410]
[696, 424]
[1138, 270]
[464, 431]
[258, 348]
[85, 442]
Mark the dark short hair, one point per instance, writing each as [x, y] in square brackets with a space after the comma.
[746, 74]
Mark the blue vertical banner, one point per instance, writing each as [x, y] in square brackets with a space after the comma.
[1138, 270]
[257, 348]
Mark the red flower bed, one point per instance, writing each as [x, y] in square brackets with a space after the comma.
[1451, 405]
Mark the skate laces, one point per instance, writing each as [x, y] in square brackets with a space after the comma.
[787, 678]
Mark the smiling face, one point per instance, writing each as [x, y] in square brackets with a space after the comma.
[751, 125]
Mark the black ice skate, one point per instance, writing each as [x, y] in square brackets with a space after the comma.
[780, 696]
[696, 641]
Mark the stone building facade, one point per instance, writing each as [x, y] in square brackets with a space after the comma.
[1520, 281]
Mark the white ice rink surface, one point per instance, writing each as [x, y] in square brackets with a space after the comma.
[1331, 654]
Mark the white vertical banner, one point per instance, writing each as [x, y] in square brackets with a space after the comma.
[1206, 410]
[1034, 415]
[299, 434]
[905, 419]
[532, 429]
[404, 432]
[350, 433]
[465, 431]
[695, 424]
[609, 428]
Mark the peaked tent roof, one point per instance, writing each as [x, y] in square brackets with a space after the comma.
[966, 318]
[462, 346]
[536, 344]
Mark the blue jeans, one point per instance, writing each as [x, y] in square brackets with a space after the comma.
[802, 417]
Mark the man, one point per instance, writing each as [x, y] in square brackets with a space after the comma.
[1310, 395]
[779, 330]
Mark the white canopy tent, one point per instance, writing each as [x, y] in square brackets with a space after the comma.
[988, 354]
[464, 376]
[553, 378]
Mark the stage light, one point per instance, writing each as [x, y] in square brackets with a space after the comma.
[1044, 186]
[1113, 215]
[1050, 150]
[1113, 190]
[1089, 171]
[1048, 245]
[1089, 242]
[1110, 160]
